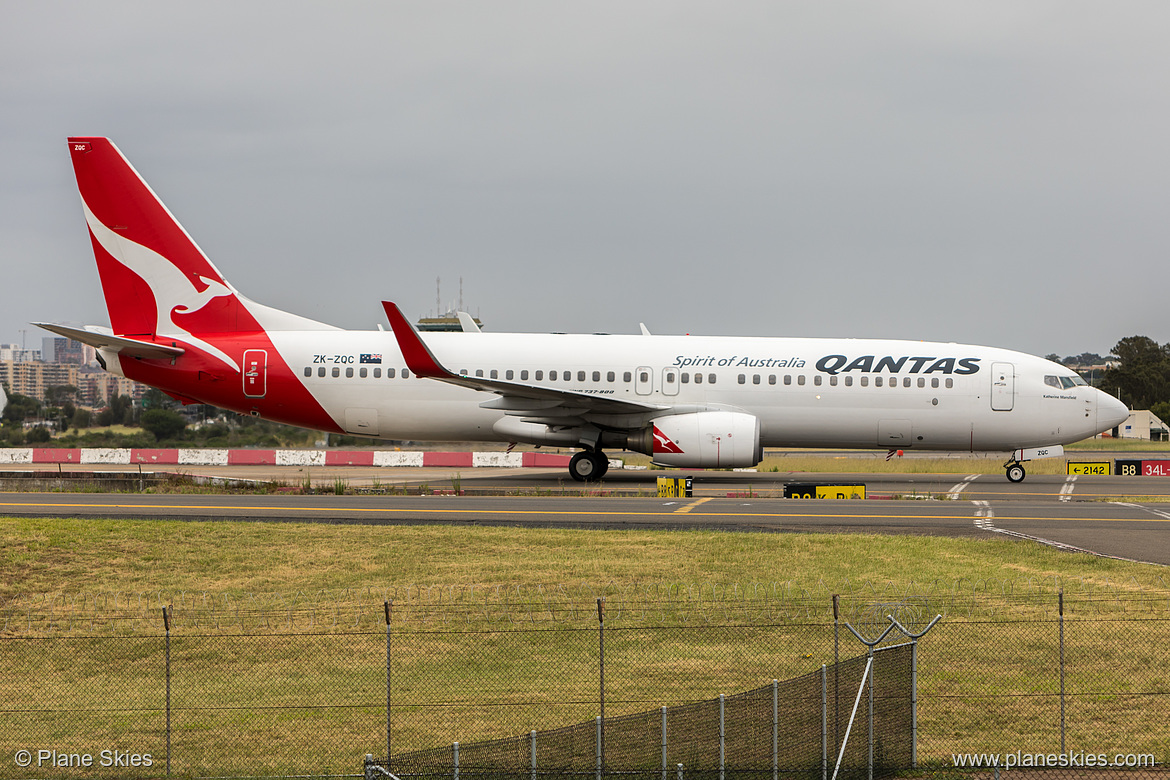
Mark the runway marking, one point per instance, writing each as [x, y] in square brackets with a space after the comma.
[953, 493]
[682, 510]
[985, 515]
[1067, 488]
[1160, 517]
[1151, 510]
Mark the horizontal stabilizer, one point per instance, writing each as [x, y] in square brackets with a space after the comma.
[101, 339]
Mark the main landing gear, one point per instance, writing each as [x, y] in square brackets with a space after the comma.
[1015, 471]
[588, 466]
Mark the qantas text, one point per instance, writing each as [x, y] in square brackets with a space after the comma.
[834, 364]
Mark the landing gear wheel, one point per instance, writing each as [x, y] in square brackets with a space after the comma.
[588, 466]
[1016, 473]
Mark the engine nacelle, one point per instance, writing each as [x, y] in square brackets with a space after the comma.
[706, 440]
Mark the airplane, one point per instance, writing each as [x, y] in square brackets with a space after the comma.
[687, 401]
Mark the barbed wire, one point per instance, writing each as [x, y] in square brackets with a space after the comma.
[497, 606]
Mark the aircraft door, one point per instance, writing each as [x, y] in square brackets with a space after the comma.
[1003, 387]
[643, 380]
[670, 381]
[255, 373]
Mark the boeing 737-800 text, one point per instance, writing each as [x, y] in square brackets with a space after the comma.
[687, 401]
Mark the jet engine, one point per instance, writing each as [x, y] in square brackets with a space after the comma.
[704, 440]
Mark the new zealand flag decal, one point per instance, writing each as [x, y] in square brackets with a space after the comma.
[370, 359]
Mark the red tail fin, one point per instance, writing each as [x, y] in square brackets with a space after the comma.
[156, 279]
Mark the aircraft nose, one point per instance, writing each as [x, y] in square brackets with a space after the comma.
[1110, 411]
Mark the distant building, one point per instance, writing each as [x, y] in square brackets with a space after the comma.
[96, 388]
[32, 378]
[58, 349]
[448, 323]
[14, 353]
[1143, 424]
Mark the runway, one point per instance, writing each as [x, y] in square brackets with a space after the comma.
[1108, 516]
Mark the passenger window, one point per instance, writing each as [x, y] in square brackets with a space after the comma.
[849, 381]
[610, 376]
[833, 380]
[321, 371]
[771, 379]
[710, 379]
[800, 380]
[362, 373]
[406, 373]
[684, 378]
[627, 377]
[336, 371]
[788, 379]
[463, 372]
[509, 374]
[817, 380]
[308, 370]
[580, 376]
[921, 382]
[539, 376]
[755, 379]
[389, 373]
[698, 379]
[934, 381]
[377, 373]
[597, 376]
[877, 381]
[865, 381]
[552, 376]
[524, 375]
[479, 372]
[495, 374]
[906, 382]
[950, 382]
[643, 376]
[742, 379]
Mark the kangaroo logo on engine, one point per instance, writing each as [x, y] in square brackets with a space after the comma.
[872, 364]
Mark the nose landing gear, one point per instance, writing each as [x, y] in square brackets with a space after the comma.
[1015, 471]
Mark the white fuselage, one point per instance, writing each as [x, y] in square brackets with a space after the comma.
[805, 392]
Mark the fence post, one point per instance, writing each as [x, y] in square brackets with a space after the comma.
[598, 747]
[824, 726]
[664, 743]
[1060, 609]
[914, 681]
[775, 729]
[836, 671]
[388, 608]
[455, 756]
[722, 738]
[167, 626]
[601, 686]
[532, 751]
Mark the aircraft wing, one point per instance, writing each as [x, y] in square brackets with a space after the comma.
[101, 339]
[529, 401]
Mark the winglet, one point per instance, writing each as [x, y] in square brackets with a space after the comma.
[418, 357]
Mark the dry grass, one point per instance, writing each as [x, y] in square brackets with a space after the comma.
[258, 702]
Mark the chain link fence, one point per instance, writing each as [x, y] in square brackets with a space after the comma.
[230, 690]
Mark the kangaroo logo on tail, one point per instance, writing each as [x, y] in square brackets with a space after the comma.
[133, 229]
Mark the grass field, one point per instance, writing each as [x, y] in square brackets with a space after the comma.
[496, 632]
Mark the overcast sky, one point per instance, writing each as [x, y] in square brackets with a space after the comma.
[993, 173]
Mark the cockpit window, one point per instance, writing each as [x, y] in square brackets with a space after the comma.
[1064, 382]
